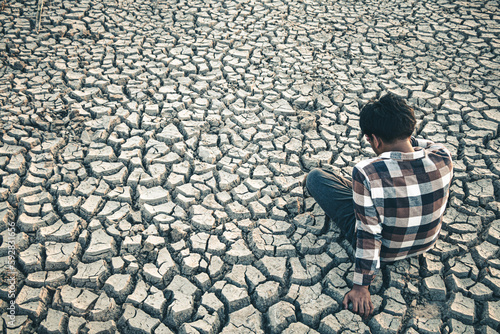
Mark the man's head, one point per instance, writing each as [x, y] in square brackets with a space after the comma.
[389, 118]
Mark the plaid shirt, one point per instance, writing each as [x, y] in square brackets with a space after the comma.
[399, 201]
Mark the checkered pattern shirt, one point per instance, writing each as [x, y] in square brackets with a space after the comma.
[399, 201]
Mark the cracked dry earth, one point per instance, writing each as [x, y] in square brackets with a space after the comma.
[152, 159]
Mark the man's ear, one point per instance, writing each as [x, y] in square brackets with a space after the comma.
[377, 142]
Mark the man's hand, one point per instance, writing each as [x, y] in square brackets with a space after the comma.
[361, 300]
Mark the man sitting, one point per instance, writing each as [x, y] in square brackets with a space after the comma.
[394, 205]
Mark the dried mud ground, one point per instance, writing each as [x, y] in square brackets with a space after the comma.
[152, 157]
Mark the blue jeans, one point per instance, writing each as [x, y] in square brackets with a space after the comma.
[333, 193]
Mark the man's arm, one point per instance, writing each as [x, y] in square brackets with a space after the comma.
[426, 143]
[368, 246]
[430, 146]
[423, 143]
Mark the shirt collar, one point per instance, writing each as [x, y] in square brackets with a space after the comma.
[396, 155]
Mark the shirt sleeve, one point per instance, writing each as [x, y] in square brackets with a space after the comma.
[419, 142]
[430, 146]
[369, 231]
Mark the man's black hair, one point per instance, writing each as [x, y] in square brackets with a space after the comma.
[389, 118]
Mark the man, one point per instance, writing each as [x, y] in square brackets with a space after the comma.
[399, 197]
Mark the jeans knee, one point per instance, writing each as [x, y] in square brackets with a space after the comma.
[313, 178]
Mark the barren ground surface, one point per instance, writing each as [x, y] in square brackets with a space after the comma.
[152, 160]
